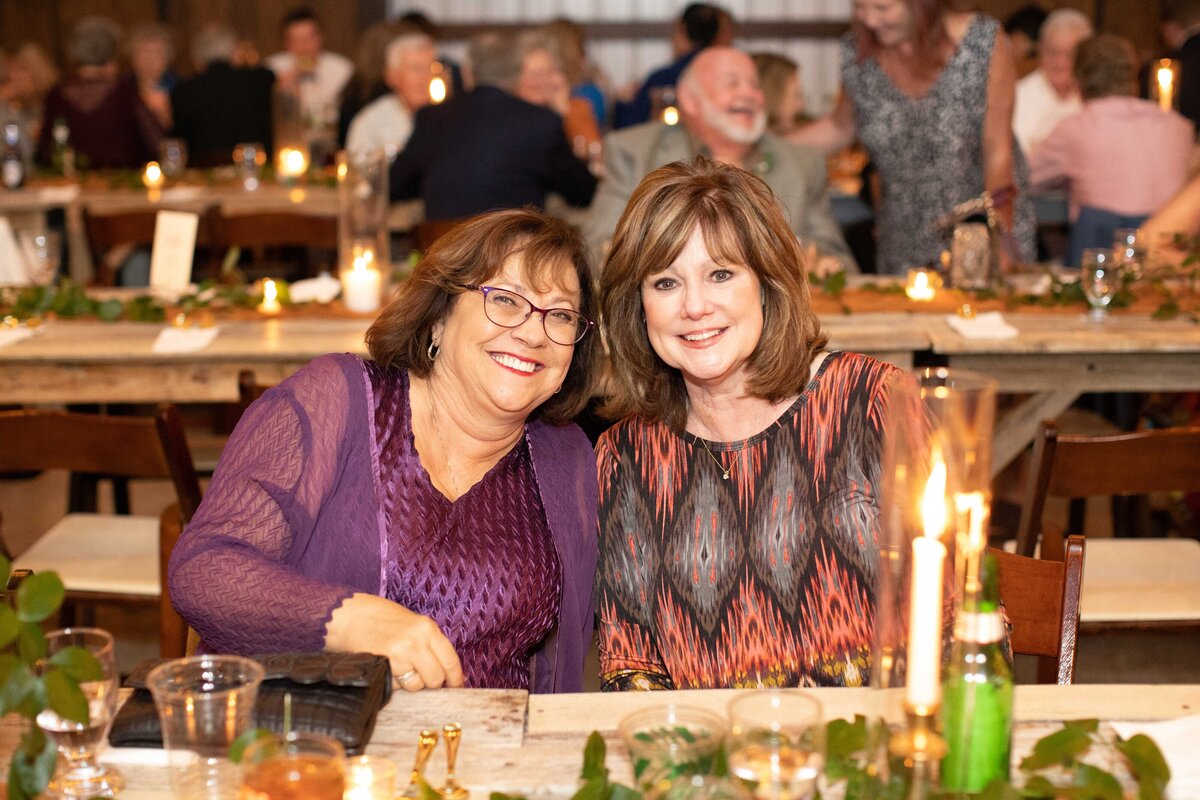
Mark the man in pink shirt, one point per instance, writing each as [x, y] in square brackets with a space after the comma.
[1120, 154]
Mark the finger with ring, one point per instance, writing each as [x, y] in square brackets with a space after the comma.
[403, 680]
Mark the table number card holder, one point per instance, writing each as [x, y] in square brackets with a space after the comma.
[173, 250]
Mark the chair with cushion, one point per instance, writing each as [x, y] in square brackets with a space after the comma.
[1129, 583]
[101, 558]
[1041, 599]
[281, 242]
[112, 237]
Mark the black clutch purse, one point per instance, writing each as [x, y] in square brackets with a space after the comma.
[336, 694]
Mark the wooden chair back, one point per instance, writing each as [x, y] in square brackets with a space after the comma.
[249, 389]
[429, 231]
[108, 231]
[275, 237]
[1086, 466]
[1041, 599]
[129, 447]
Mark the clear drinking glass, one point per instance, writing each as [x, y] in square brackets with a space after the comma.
[667, 741]
[172, 157]
[1100, 278]
[970, 256]
[43, 254]
[204, 704]
[249, 158]
[776, 743]
[80, 743]
[1130, 251]
[296, 766]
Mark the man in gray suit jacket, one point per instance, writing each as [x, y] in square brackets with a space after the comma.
[722, 115]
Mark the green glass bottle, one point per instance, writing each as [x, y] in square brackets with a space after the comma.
[978, 691]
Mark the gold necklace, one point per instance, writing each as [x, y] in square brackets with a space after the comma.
[437, 430]
[725, 473]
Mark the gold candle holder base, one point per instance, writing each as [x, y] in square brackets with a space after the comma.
[921, 747]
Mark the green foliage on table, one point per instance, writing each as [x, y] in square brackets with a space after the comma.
[68, 300]
[31, 683]
[1054, 769]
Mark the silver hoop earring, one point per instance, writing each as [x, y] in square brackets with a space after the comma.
[433, 351]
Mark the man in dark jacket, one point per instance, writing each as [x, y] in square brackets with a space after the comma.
[222, 105]
[489, 148]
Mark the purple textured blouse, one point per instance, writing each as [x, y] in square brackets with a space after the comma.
[483, 566]
[294, 522]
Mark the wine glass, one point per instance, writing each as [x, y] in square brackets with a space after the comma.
[172, 155]
[249, 158]
[1130, 250]
[1099, 277]
[79, 743]
[43, 254]
[776, 743]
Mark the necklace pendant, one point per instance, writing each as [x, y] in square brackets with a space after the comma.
[725, 475]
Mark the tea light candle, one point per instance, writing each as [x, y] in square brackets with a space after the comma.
[1164, 78]
[362, 284]
[369, 778]
[292, 163]
[670, 115]
[923, 688]
[152, 177]
[920, 285]
[437, 85]
[270, 302]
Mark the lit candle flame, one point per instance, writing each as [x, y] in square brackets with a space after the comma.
[153, 176]
[270, 298]
[933, 504]
[292, 162]
[1165, 77]
[670, 115]
[437, 89]
[920, 287]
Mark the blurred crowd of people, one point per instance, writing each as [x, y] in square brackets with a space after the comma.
[946, 102]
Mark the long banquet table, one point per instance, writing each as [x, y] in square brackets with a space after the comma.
[1055, 358]
[533, 744]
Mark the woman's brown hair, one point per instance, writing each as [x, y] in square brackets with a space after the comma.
[741, 223]
[931, 45]
[474, 253]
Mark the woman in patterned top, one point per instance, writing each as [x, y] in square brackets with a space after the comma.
[929, 92]
[739, 494]
[432, 504]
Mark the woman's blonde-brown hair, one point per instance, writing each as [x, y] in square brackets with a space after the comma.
[742, 223]
[474, 253]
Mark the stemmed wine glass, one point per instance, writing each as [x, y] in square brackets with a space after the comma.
[777, 743]
[43, 254]
[1100, 279]
[79, 743]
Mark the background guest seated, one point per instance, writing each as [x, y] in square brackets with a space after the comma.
[722, 116]
[490, 148]
[1115, 179]
[431, 504]
[222, 105]
[386, 123]
[1049, 94]
[738, 495]
[110, 126]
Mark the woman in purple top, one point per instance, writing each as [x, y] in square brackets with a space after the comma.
[431, 504]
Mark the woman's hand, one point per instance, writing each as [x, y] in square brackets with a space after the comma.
[420, 654]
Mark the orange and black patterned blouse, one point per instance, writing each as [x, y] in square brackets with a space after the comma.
[761, 579]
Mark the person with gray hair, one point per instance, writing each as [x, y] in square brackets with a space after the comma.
[386, 123]
[110, 125]
[489, 147]
[1049, 94]
[221, 105]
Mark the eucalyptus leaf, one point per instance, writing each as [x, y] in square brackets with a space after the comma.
[64, 697]
[594, 754]
[31, 642]
[32, 765]
[1147, 764]
[427, 792]
[15, 682]
[1098, 784]
[5, 565]
[110, 310]
[593, 789]
[1061, 747]
[503, 796]
[1040, 786]
[9, 625]
[1000, 789]
[78, 663]
[39, 596]
[238, 748]
[619, 791]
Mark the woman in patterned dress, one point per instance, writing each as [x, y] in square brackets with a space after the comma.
[929, 91]
[739, 492]
[432, 504]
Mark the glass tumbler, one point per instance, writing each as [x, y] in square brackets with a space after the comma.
[204, 703]
[295, 766]
[776, 743]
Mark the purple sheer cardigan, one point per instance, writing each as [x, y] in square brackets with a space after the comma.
[291, 525]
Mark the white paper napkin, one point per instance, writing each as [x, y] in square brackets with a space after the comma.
[1177, 739]
[184, 340]
[320, 289]
[989, 325]
[13, 335]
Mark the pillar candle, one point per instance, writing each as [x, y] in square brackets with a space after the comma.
[923, 676]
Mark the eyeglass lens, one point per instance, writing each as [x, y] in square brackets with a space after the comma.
[510, 309]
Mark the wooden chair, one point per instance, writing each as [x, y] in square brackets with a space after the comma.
[429, 231]
[1129, 583]
[1041, 599]
[270, 235]
[249, 389]
[102, 558]
[106, 232]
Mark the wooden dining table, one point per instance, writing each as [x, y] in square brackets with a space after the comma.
[1053, 359]
[532, 745]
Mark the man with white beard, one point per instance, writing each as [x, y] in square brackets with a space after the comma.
[722, 115]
